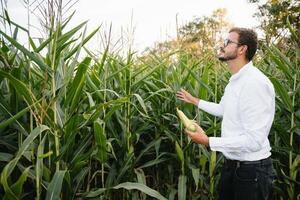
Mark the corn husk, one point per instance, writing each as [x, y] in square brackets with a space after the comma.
[189, 124]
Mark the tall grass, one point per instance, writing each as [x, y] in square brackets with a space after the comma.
[104, 126]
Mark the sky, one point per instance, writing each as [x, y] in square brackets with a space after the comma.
[143, 22]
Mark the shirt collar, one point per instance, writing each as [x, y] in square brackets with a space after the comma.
[241, 71]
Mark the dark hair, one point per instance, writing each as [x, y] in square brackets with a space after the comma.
[247, 37]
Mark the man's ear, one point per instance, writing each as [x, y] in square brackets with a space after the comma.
[243, 49]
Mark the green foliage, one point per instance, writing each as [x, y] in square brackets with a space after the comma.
[274, 15]
[105, 126]
[282, 66]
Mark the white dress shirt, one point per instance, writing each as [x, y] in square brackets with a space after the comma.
[247, 108]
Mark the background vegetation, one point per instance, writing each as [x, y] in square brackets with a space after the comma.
[103, 126]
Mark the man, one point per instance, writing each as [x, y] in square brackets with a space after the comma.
[247, 109]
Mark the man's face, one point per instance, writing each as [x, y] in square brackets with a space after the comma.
[229, 50]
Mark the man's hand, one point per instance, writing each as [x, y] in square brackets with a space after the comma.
[187, 97]
[198, 136]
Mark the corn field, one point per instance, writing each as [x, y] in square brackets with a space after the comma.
[104, 126]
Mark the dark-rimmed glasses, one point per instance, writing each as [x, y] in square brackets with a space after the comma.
[227, 42]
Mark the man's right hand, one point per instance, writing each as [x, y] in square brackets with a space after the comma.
[187, 97]
[198, 136]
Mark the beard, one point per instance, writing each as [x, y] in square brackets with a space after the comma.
[227, 57]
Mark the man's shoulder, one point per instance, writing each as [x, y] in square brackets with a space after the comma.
[258, 80]
[257, 76]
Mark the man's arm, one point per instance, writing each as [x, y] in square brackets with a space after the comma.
[209, 107]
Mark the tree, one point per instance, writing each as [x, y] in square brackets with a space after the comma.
[274, 14]
[198, 36]
[206, 31]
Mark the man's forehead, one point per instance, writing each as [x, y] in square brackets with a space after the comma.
[232, 35]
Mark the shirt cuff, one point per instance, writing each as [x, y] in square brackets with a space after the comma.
[202, 104]
[214, 143]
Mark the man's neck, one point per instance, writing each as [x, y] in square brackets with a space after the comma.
[236, 65]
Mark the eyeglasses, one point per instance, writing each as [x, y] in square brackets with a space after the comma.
[227, 42]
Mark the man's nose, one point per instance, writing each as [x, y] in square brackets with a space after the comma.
[218, 47]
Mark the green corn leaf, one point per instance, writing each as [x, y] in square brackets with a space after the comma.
[15, 24]
[156, 161]
[282, 92]
[80, 177]
[64, 45]
[45, 155]
[90, 98]
[75, 90]
[66, 36]
[95, 193]
[172, 194]
[190, 70]
[19, 86]
[81, 148]
[196, 176]
[77, 48]
[90, 84]
[141, 187]
[67, 20]
[101, 106]
[141, 102]
[31, 55]
[105, 54]
[7, 16]
[30, 138]
[179, 152]
[295, 165]
[44, 44]
[125, 167]
[15, 34]
[140, 176]
[18, 186]
[100, 140]
[204, 78]
[13, 118]
[5, 157]
[283, 62]
[182, 187]
[32, 44]
[54, 188]
[111, 111]
[151, 72]
[147, 148]
[12, 164]
[15, 190]
[40, 165]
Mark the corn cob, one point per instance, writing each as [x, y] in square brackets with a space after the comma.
[189, 124]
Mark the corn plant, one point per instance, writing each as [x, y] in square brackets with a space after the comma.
[283, 69]
[104, 126]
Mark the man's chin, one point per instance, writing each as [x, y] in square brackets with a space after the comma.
[223, 59]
